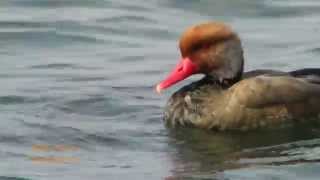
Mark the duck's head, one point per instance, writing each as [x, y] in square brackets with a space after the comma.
[212, 49]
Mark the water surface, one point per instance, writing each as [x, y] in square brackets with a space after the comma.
[77, 73]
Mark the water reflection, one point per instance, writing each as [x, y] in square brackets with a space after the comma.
[208, 153]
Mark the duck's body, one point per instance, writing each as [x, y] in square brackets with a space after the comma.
[227, 98]
[254, 102]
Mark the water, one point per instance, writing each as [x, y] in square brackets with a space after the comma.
[77, 96]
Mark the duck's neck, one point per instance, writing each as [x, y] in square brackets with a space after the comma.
[224, 82]
[231, 70]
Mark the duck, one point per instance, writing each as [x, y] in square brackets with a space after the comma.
[227, 98]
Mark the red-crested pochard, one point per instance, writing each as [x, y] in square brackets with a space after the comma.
[226, 98]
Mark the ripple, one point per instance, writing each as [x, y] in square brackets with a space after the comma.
[135, 7]
[13, 99]
[132, 88]
[147, 72]
[62, 66]
[13, 139]
[84, 79]
[97, 106]
[284, 154]
[54, 66]
[22, 24]
[126, 19]
[275, 64]
[74, 136]
[59, 3]
[315, 50]
[131, 58]
[42, 37]
[13, 178]
[104, 140]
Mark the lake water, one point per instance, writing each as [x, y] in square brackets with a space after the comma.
[77, 98]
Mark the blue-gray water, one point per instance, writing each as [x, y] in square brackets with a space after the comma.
[80, 73]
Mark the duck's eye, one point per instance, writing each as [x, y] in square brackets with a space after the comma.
[196, 47]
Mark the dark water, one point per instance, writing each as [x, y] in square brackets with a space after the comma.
[79, 75]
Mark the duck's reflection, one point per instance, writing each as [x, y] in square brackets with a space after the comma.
[198, 153]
